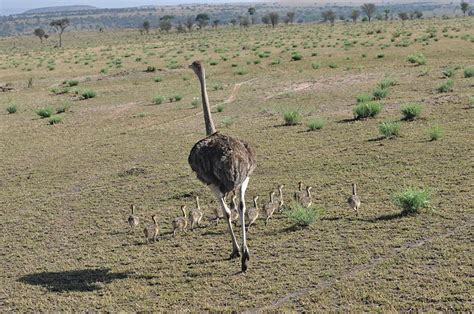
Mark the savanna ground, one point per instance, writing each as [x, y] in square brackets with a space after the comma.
[66, 188]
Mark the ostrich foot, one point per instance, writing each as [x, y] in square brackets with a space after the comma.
[245, 258]
[235, 253]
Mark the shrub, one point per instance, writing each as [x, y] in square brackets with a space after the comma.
[436, 133]
[411, 112]
[11, 109]
[386, 83]
[449, 72]
[315, 66]
[332, 65]
[195, 103]
[296, 56]
[72, 83]
[300, 215]
[367, 110]
[380, 93]
[445, 87]
[412, 200]
[88, 93]
[316, 124]
[157, 100]
[178, 97]
[469, 72]
[364, 97]
[417, 58]
[292, 117]
[55, 120]
[220, 107]
[45, 112]
[471, 102]
[157, 79]
[275, 62]
[62, 108]
[57, 90]
[389, 129]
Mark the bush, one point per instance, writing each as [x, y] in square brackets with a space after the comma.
[227, 122]
[157, 100]
[449, 72]
[195, 103]
[367, 110]
[157, 79]
[380, 93]
[292, 117]
[436, 133]
[178, 97]
[296, 56]
[389, 129]
[445, 87]
[386, 83]
[220, 108]
[469, 72]
[88, 93]
[62, 108]
[332, 65]
[302, 216]
[57, 90]
[412, 200]
[72, 83]
[315, 66]
[316, 124]
[417, 58]
[411, 112]
[241, 71]
[55, 120]
[11, 109]
[45, 112]
[364, 97]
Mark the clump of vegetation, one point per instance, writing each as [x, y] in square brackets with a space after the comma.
[195, 103]
[316, 124]
[449, 72]
[367, 110]
[241, 71]
[332, 65]
[150, 69]
[435, 133]
[412, 200]
[227, 122]
[55, 120]
[157, 100]
[364, 97]
[220, 107]
[471, 102]
[296, 56]
[411, 112]
[72, 83]
[315, 65]
[302, 216]
[57, 90]
[469, 72]
[177, 97]
[445, 87]
[417, 58]
[11, 109]
[45, 112]
[157, 79]
[62, 108]
[380, 93]
[386, 83]
[88, 93]
[390, 129]
[292, 117]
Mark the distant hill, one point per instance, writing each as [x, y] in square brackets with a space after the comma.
[65, 8]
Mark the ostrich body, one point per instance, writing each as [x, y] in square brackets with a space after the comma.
[270, 207]
[252, 213]
[224, 164]
[307, 200]
[299, 193]
[180, 223]
[132, 219]
[151, 231]
[354, 201]
[195, 215]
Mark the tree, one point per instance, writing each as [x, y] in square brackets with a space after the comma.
[202, 19]
[368, 9]
[252, 11]
[40, 33]
[146, 26]
[329, 15]
[387, 12]
[233, 22]
[403, 16]
[355, 15]
[464, 7]
[291, 17]
[190, 22]
[165, 25]
[215, 23]
[60, 25]
[274, 17]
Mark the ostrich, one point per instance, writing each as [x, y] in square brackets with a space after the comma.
[270, 207]
[306, 200]
[300, 192]
[132, 219]
[195, 215]
[225, 165]
[354, 201]
[151, 231]
[180, 223]
[252, 213]
[280, 197]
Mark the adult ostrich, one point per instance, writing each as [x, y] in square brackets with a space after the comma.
[224, 164]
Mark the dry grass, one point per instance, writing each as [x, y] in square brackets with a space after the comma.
[65, 190]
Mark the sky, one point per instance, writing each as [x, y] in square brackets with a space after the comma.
[19, 6]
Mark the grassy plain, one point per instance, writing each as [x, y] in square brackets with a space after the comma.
[65, 189]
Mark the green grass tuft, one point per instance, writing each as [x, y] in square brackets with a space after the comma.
[316, 124]
[157, 100]
[11, 109]
[292, 117]
[469, 72]
[55, 120]
[412, 200]
[380, 93]
[45, 112]
[364, 97]
[436, 133]
[417, 58]
[88, 93]
[389, 129]
[445, 87]
[367, 110]
[302, 216]
[411, 112]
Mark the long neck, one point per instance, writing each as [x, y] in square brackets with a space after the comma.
[309, 192]
[280, 191]
[184, 212]
[354, 192]
[133, 210]
[197, 203]
[210, 128]
[154, 220]
[255, 203]
[271, 197]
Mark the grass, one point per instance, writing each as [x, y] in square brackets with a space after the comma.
[417, 58]
[55, 120]
[411, 112]
[445, 87]
[292, 117]
[45, 112]
[364, 98]
[389, 129]
[380, 93]
[367, 110]
[302, 216]
[436, 133]
[88, 93]
[220, 107]
[316, 124]
[12, 109]
[158, 79]
[72, 83]
[386, 83]
[469, 72]
[296, 56]
[195, 103]
[412, 200]
[158, 100]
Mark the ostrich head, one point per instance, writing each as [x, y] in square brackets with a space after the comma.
[197, 67]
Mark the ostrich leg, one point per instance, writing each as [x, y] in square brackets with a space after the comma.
[221, 199]
[242, 209]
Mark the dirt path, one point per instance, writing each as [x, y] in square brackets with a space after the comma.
[356, 270]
